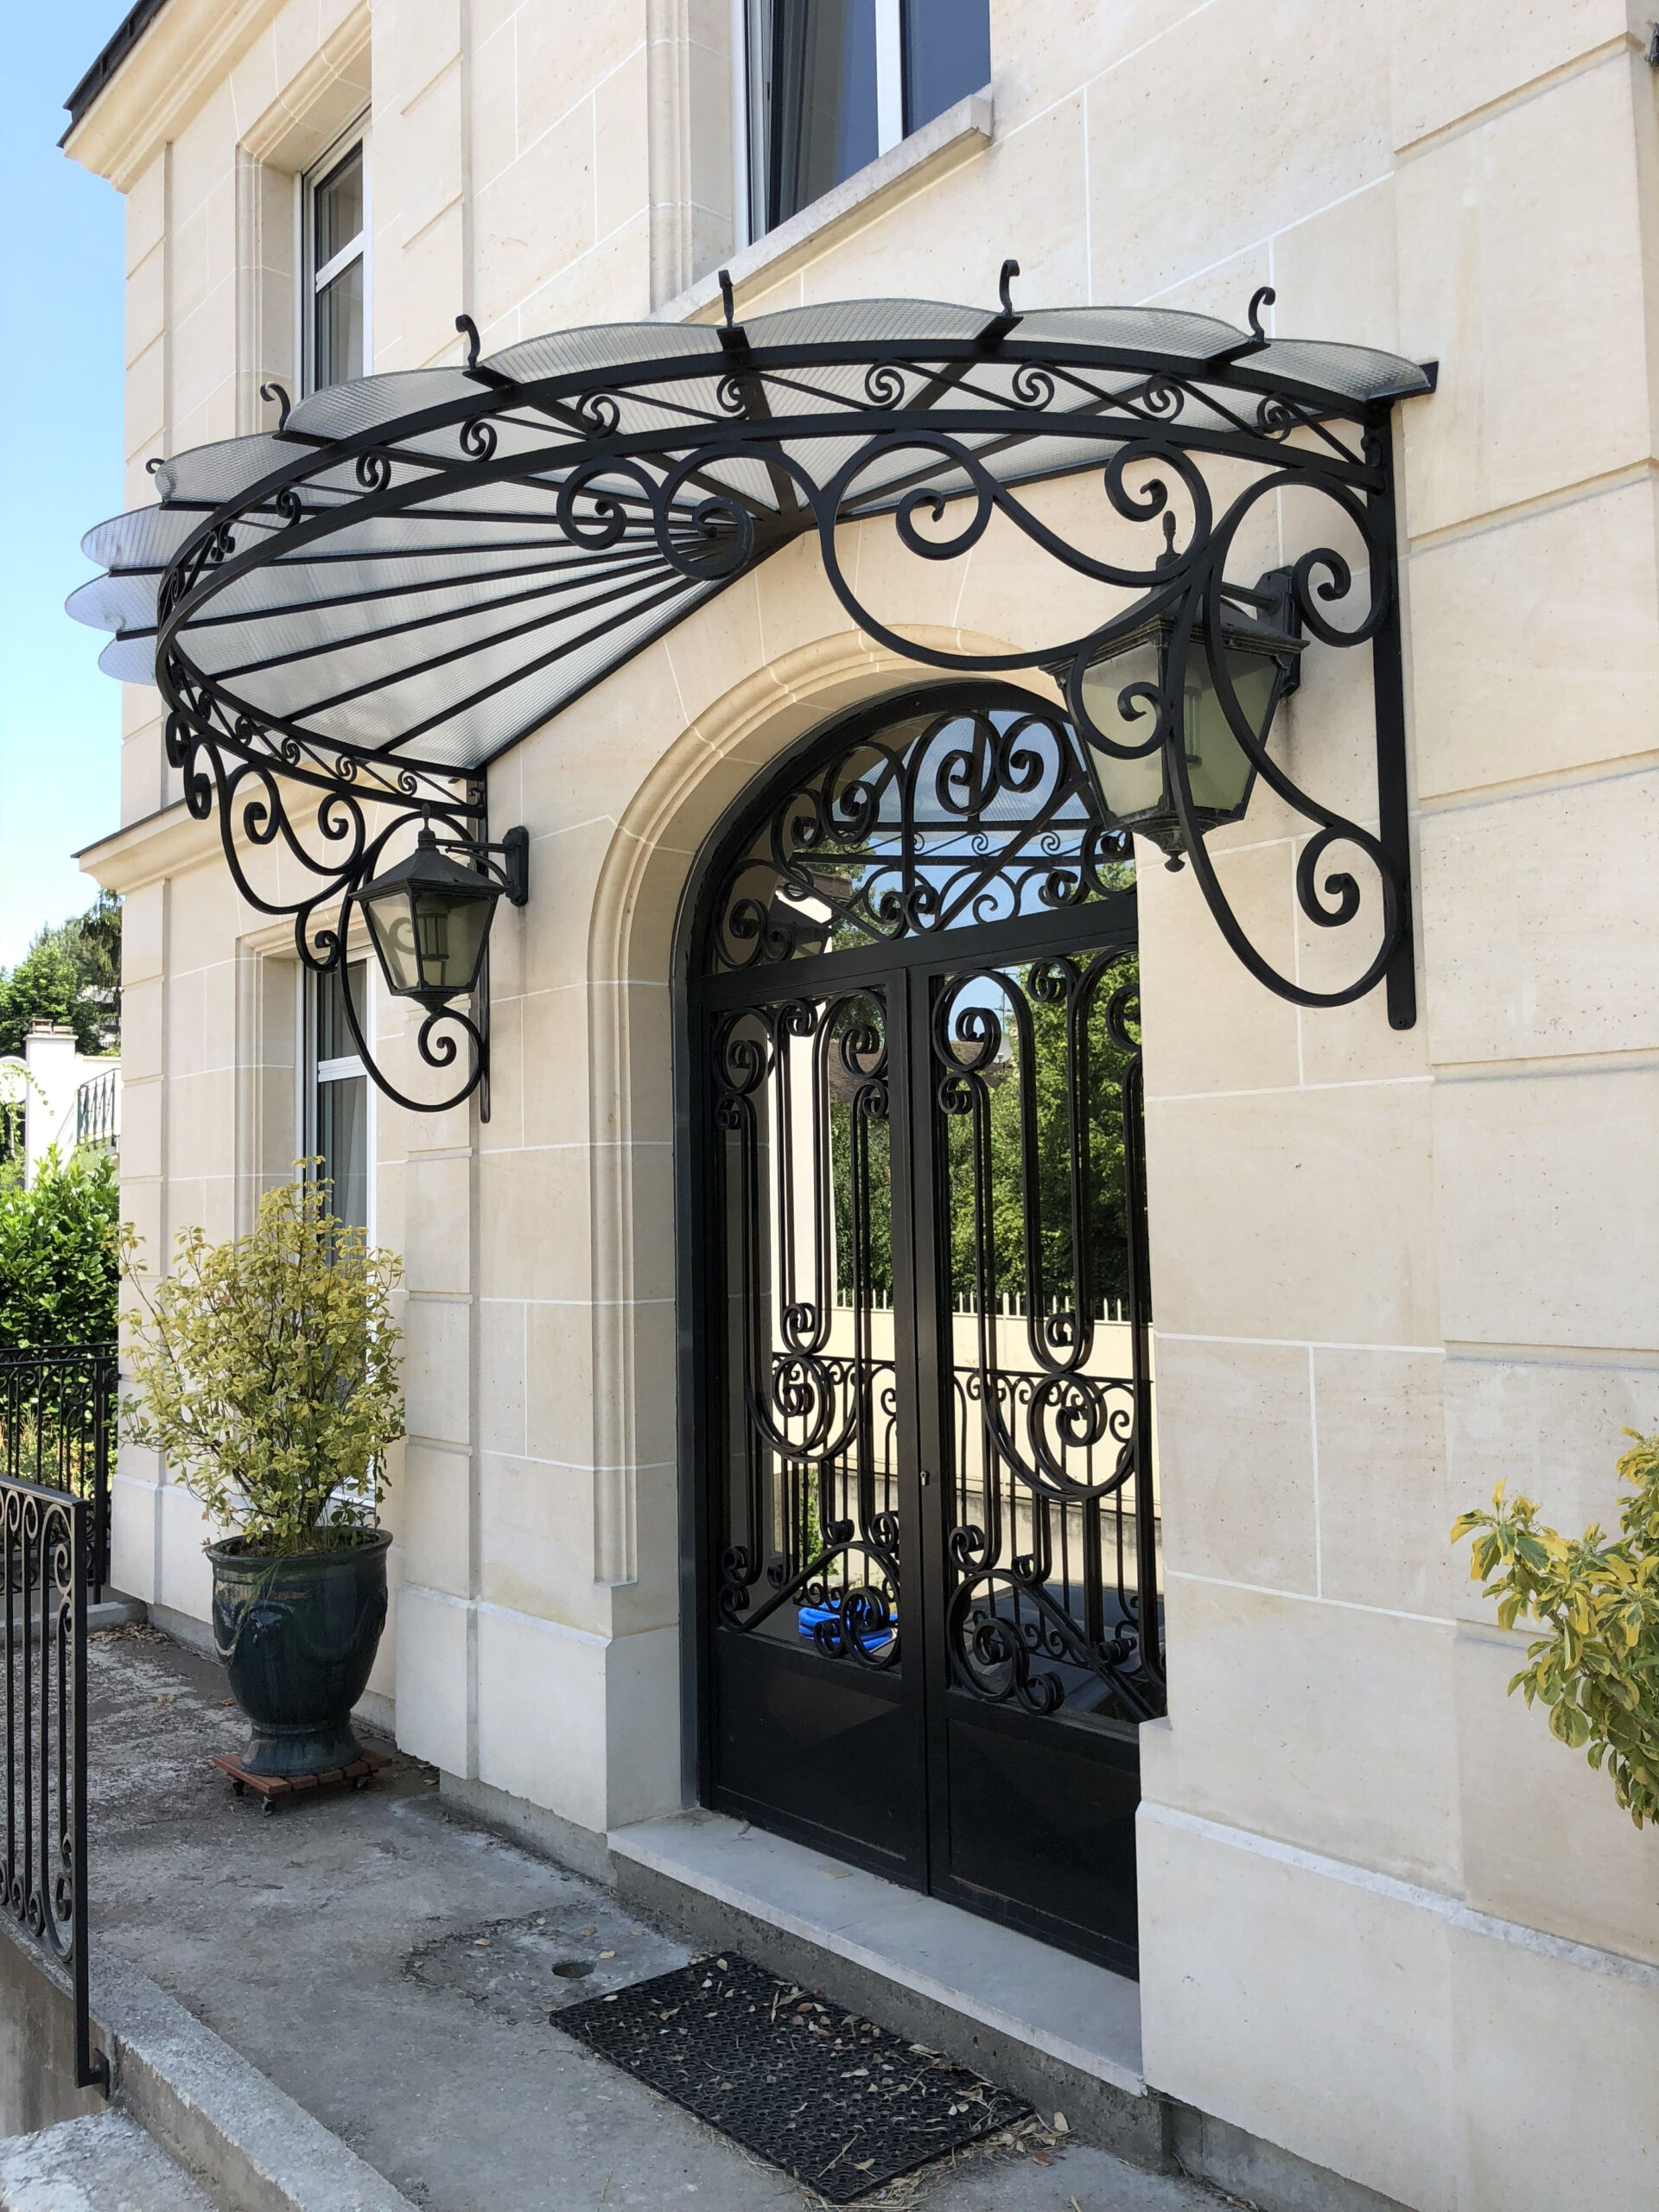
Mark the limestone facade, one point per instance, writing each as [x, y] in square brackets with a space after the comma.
[1387, 1922]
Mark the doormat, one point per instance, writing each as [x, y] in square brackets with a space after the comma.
[835, 2101]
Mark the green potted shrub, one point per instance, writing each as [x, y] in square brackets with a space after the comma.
[1596, 1668]
[266, 1374]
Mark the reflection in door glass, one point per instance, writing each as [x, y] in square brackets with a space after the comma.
[1053, 1542]
[810, 1550]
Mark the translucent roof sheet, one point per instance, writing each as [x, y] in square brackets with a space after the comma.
[429, 564]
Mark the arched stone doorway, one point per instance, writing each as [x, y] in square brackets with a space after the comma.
[918, 1380]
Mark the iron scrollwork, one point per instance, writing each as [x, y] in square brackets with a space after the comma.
[46, 1546]
[387, 572]
[953, 816]
[361, 812]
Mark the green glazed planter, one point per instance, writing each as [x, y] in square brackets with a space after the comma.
[298, 1635]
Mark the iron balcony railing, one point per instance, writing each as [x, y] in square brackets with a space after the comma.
[46, 1533]
[98, 1110]
[57, 1431]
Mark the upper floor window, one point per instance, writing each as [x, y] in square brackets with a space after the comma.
[834, 83]
[335, 218]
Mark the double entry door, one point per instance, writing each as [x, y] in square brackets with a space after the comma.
[930, 1622]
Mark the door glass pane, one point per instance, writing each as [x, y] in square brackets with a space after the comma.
[822, 99]
[810, 1541]
[947, 55]
[338, 354]
[1052, 1535]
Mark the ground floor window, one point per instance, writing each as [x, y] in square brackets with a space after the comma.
[338, 1132]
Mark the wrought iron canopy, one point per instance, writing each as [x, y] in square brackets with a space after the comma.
[412, 571]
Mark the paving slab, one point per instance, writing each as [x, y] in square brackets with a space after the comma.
[392, 1968]
[106, 2164]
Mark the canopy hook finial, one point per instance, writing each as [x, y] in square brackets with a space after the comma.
[468, 330]
[279, 394]
[1262, 298]
[1009, 271]
[726, 297]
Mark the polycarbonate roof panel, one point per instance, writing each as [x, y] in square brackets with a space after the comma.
[143, 537]
[346, 410]
[443, 559]
[1351, 371]
[878, 322]
[215, 474]
[602, 345]
[1164, 331]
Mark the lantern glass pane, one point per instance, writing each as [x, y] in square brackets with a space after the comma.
[449, 934]
[393, 930]
[1128, 787]
[1217, 768]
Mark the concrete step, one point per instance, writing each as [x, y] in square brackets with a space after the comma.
[1062, 2033]
[105, 2164]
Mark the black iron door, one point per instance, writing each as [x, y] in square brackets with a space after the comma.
[922, 1387]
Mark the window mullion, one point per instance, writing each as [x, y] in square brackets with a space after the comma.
[353, 251]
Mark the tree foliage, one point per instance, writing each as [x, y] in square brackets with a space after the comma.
[58, 1251]
[1032, 1168]
[267, 1372]
[1598, 1669]
[71, 975]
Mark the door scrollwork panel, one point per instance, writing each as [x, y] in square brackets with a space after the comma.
[1052, 1544]
[811, 1546]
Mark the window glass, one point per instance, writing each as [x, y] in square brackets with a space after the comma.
[334, 1038]
[339, 327]
[340, 1105]
[337, 272]
[947, 55]
[339, 208]
[822, 99]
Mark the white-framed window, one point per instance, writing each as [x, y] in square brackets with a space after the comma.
[831, 84]
[334, 304]
[338, 1106]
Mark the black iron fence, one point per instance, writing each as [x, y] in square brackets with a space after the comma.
[48, 1535]
[57, 1430]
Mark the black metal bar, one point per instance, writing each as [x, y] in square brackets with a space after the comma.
[1388, 688]
[47, 1542]
[58, 1406]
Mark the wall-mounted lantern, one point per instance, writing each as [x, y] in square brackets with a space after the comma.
[429, 916]
[1153, 706]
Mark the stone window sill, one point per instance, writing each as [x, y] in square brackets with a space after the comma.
[953, 138]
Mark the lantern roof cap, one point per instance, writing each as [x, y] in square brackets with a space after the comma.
[428, 868]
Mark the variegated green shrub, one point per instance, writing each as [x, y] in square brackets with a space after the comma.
[267, 1372]
[1596, 1669]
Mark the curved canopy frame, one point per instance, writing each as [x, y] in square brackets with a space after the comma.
[411, 572]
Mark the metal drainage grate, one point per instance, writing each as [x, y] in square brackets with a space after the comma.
[835, 2101]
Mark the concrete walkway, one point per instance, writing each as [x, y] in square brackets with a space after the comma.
[393, 1969]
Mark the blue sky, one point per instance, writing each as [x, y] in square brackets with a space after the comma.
[60, 386]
